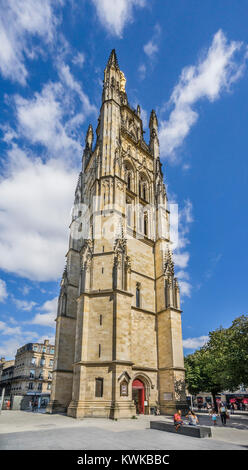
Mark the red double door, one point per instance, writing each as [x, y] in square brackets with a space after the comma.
[138, 394]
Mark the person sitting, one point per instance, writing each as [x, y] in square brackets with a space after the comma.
[193, 419]
[178, 420]
[157, 412]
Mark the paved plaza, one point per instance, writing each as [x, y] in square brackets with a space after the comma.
[26, 430]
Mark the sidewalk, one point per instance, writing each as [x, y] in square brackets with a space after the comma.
[26, 430]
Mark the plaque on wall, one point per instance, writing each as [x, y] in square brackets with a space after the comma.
[124, 388]
[167, 396]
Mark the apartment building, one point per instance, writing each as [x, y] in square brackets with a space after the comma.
[32, 375]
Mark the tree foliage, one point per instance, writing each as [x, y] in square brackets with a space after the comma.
[222, 363]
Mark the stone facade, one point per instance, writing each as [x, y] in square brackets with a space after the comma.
[33, 368]
[118, 346]
[6, 375]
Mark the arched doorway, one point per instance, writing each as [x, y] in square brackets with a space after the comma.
[138, 395]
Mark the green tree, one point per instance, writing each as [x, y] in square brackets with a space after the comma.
[222, 363]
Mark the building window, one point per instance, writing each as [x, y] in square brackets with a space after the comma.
[51, 363]
[31, 385]
[129, 212]
[41, 375]
[138, 295]
[49, 386]
[44, 349]
[145, 223]
[40, 387]
[144, 191]
[32, 374]
[100, 319]
[129, 181]
[50, 375]
[34, 348]
[42, 362]
[99, 388]
[33, 360]
[52, 351]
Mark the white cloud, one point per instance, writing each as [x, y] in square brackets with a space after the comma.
[42, 120]
[47, 318]
[150, 48]
[142, 71]
[185, 288]
[79, 59]
[19, 22]
[3, 291]
[25, 289]
[222, 65]
[181, 259]
[8, 348]
[70, 82]
[53, 117]
[6, 330]
[19, 338]
[36, 193]
[114, 15]
[35, 203]
[194, 343]
[25, 305]
[181, 256]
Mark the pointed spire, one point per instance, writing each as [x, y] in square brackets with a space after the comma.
[168, 263]
[113, 59]
[153, 123]
[89, 137]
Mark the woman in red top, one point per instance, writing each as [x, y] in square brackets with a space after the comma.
[178, 419]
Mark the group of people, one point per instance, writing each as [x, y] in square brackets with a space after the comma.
[222, 412]
[193, 419]
[33, 405]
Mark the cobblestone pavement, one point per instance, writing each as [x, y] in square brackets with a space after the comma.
[22, 430]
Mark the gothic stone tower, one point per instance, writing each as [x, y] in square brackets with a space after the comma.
[118, 347]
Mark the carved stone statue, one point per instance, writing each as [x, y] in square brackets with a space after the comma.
[122, 82]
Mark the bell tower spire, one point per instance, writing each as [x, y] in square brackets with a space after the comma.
[113, 61]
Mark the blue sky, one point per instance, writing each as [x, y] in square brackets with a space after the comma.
[188, 61]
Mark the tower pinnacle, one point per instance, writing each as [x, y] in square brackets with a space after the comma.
[113, 59]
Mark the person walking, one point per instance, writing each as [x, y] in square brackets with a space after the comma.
[232, 409]
[223, 414]
[214, 418]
